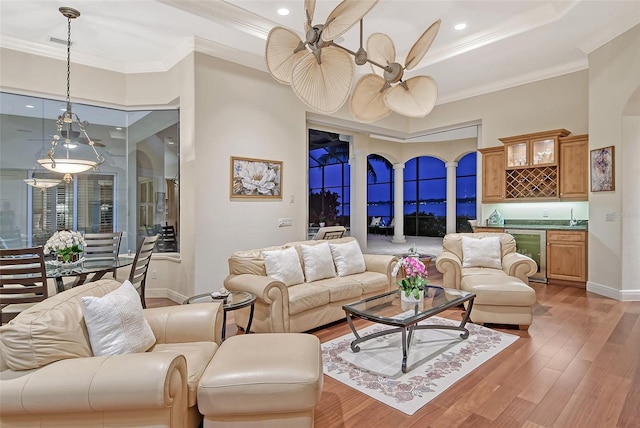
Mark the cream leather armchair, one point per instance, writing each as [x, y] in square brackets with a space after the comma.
[154, 388]
[503, 295]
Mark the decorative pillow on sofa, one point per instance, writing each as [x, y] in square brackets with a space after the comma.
[116, 324]
[348, 258]
[283, 265]
[484, 252]
[318, 263]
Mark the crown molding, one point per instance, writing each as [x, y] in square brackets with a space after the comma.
[229, 53]
[226, 14]
[534, 76]
[60, 53]
[532, 19]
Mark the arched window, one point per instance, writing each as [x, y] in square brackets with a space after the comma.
[466, 192]
[425, 197]
[379, 189]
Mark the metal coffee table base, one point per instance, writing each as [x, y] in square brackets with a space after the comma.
[406, 338]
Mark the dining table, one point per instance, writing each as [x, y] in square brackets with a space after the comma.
[85, 270]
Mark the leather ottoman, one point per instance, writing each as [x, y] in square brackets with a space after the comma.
[500, 299]
[262, 380]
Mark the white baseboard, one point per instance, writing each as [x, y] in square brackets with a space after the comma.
[613, 293]
[166, 294]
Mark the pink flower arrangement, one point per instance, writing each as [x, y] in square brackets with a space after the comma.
[415, 279]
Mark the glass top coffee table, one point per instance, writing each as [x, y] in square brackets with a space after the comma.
[234, 300]
[390, 309]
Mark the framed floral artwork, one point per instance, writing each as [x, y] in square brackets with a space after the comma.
[256, 178]
[602, 169]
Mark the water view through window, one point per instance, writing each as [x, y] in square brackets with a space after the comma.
[425, 188]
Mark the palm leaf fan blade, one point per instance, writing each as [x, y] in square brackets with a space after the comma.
[345, 16]
[324, 87]
[309, 8]
[416, 101]
[421, 46]
[280, 55]
[380, 49]
[367, 101]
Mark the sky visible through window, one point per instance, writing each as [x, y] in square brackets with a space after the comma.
[425, 186]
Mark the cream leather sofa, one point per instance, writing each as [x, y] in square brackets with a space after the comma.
[503, 295]
[306, 305]
[155, 388]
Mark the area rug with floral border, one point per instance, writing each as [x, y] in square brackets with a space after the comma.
[437, 359]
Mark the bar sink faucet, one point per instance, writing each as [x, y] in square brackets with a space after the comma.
[572, 222]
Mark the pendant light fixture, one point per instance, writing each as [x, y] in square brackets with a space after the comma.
[67, 165]
[42, 183]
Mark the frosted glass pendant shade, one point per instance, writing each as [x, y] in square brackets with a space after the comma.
[42, 183]
[67, 166]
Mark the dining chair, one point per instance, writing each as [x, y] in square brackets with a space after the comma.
[138, 274]
[23, 280]
[102, 245]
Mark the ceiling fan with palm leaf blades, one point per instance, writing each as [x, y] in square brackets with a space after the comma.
[321, 72]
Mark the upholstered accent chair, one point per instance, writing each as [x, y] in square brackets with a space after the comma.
[488, 265]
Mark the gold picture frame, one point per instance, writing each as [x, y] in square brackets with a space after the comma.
[603, 169]
[255, 178]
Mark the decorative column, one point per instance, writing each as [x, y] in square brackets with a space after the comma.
[358, 164]
[398, 204]
[451, 196]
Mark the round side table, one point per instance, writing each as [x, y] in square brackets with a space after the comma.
[235, 300]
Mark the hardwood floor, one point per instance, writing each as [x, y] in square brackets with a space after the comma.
[577, 366]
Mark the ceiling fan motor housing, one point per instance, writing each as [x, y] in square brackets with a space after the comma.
[393, 72]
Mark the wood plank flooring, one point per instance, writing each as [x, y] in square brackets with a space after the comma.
[577, 366]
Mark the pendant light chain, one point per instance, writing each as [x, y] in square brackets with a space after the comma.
[70, 165]
[68, 64]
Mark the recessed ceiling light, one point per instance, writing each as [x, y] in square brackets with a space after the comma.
[118, 128]
[29, 106]
[460, 26]
[283, 11]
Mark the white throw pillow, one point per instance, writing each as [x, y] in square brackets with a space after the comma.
[484, 252]
[115, 322]
[348, 258]
[318, 263]
[375, 221]
[283, 265]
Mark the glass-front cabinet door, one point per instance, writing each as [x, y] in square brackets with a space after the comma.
[517, 154]
[543, 152]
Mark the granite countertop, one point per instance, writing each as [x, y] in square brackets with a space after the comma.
[545, 224]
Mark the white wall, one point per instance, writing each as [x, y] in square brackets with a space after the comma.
[243, 112]
[560, 102]
[614, 78]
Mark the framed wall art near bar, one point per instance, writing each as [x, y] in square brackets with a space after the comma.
[602, 169]
[256, 178]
